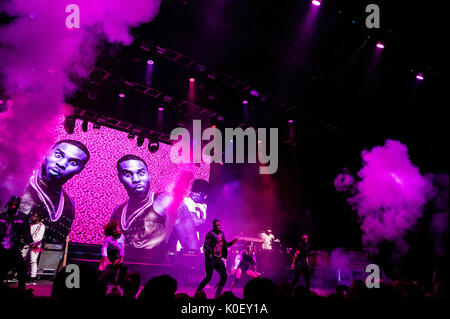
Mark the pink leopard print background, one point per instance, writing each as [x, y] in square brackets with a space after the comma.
[97, 190]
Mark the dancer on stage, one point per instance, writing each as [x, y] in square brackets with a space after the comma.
[245, 262]
[14, 230]
[113, 252]
[216, 249]
[31, 252]
[142, 217]
[45, 193]
[191, 216]
[300, 263]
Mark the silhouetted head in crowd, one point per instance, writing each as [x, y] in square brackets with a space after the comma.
[182, 296]
[160, 287]
[260, 288]
[386, 292]
[286, 290]
[301, 292]
[227, 296]
[89, 285]
[200, 295]
[130, 284]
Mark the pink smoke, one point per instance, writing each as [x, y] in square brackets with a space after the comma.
[178, 191]
[390, 194]
[344, 181]
[39, 60]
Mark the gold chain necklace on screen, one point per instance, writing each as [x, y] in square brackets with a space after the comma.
[126, 224]
[46, 200]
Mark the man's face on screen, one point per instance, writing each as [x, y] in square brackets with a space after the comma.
[63, 162]
[134, 176]
[198, 197]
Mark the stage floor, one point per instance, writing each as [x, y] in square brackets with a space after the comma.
[43, 288]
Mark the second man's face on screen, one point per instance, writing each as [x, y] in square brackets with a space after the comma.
[134, 176]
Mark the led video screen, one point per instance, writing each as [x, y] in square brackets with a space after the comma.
[90, 178]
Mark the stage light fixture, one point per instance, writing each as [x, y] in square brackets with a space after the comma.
[150, 62]
[122, 95]
[160, 109]
[140, 140]
[153, 146]
[419, 76]
[254, 93]
[96, 126]
[380, 45]
[245, 102]
[84, 126]
[69, 124]
[316, 2]
[192, 80]
[291, 121]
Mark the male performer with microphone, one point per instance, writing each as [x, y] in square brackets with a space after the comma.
[216, 249]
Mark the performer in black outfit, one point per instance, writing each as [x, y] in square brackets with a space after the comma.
[245, 263]
[14, 233]
[301, 262]
[216, 248]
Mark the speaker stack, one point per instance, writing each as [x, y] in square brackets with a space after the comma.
[50, 259]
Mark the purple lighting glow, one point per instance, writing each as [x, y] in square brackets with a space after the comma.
[150, 62]
[160, 109]
[419, 76]
[380, 45]
[291, 121]
[192, 80]
[245, 102]
[316, 2]
[121, 95]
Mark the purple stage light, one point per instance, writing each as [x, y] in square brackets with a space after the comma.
[245, 102]
[419, 76]
[380, 45]
[316, 2]
[291, 121]
[121, 95]
[150, 62]
[254, 93]
[192, 80]
[160, 109]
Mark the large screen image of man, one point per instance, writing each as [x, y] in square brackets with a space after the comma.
[45, 194]
[91, 177]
